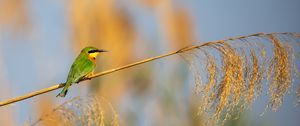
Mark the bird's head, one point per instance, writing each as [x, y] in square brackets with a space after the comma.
[92, 52]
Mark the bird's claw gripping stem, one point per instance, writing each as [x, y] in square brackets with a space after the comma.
[87, 77]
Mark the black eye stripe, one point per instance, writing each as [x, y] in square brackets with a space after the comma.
[93, 51]
[96, 50]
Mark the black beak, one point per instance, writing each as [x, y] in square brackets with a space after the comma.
[101, 50]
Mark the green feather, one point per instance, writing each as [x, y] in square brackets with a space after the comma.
[81, 67]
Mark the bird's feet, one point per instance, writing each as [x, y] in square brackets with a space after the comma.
[88, 76]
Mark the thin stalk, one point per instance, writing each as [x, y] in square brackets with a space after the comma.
[45, 90]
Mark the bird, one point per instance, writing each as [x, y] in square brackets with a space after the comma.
[82, 67]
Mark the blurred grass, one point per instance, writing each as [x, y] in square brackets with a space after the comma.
[90, 111]
[13, 18]
[14, 14]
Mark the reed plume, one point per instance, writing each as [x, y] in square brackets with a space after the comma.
[229, 74]
[88, 111]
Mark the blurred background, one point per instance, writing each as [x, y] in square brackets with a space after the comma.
[40, 39]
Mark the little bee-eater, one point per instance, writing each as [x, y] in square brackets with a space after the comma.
[82, 67]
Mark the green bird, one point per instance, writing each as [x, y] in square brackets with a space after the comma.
[82, 67]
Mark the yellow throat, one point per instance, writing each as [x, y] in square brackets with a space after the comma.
[92, 56]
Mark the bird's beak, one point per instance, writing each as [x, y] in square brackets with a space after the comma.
[101, 50]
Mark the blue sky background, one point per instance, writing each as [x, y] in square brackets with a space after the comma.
[47, 46]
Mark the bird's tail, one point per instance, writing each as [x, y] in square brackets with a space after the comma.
[64, 92]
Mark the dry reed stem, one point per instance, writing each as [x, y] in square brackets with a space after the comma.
[45, 90]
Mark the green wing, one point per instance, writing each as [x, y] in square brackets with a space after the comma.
[81, 67]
